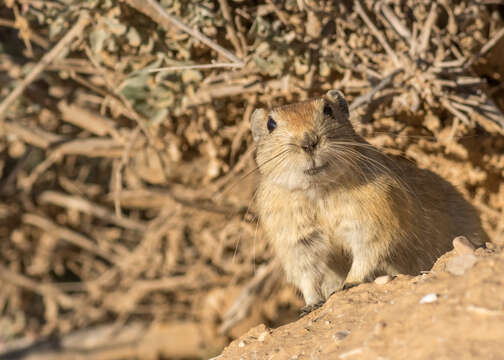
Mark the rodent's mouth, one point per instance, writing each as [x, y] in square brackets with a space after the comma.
[316, 170]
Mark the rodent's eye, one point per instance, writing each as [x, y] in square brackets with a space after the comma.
[271, 124]
[327, 110]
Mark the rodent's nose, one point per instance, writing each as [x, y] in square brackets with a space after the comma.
[309, 143]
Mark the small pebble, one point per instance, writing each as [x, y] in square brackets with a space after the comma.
[463, 246]
[460, 264]
[429, 298]
[353, 352]
[262, 336]
[380, 325]
[490, 246]
[382, 280]
[241, 344]
[340, 335]
[484, 311]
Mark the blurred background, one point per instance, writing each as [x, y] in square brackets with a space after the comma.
[127, 222]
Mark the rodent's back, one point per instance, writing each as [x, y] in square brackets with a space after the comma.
[443, 205]
[432, 213]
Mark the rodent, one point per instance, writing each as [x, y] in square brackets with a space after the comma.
[338, 211]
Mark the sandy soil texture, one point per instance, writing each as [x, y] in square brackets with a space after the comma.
[455, 311]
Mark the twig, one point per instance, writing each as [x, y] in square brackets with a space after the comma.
[207, 93]
[248, 296]
[367, 97]
[71, 236]
[281, 15]
[157, 13]
[448, 105]
[188, 67]
[49, 290]
[75, 32]
[32, 135]
[79, 204]
[243, 129]
[486, 48]
[226, 12]
[426, 31]
[395, 22]
[91, 147]
[376, 32]
[87, 120]
[156, 229]
[118, 175]
[118, 96]
[39, 40]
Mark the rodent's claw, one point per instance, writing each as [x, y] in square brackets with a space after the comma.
[348, 285]
[309, 308]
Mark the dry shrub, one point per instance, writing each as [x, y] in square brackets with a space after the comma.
[124, 193]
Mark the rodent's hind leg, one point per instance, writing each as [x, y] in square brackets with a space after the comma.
[363, 269]
[331, 283]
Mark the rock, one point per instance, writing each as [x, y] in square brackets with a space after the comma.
[353, 352]
[429, 298]
[380, 325]
[460, 264]
[463, 246]
[382, 280]
[340, 335]
[262, 336]
[490, 246]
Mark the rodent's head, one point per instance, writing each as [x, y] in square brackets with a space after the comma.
[298, 144]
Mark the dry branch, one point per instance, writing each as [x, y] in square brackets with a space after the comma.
[42, 289]
[76, 31]
[377, 33]
[157, 13]
[68, 235]
[368, 97]
[79, 204]
[248, 296]
[195, 67]
[96, 124]
[32, 135]
[485, 49]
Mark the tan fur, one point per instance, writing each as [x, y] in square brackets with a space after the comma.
[346, 213]
[298, 114]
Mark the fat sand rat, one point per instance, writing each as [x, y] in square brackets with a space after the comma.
[338, 211]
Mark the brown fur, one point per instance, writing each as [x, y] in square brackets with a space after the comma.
[340, 212]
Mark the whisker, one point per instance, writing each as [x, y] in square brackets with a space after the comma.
[256, 168]
[374, 164]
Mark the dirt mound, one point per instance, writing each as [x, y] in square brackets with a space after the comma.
[452, 312]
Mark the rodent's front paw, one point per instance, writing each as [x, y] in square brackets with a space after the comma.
[348, 285]
[309, 308]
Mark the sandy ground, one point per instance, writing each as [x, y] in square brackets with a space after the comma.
[456, 311]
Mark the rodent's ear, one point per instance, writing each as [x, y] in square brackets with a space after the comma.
[258, 124]
[339, 100]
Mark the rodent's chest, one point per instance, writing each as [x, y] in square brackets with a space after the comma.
[337, 219]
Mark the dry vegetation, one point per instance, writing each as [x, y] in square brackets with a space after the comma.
[125, 210]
